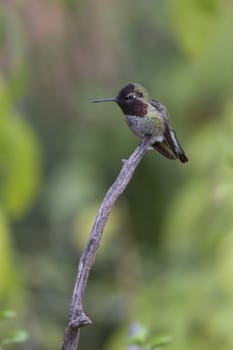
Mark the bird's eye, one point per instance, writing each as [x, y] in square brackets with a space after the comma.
[130, 97]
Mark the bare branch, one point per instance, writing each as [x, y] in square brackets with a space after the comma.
[77, 317]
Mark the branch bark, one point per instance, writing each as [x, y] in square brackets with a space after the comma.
[77, 317]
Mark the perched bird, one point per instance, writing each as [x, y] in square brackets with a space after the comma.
[146, 116]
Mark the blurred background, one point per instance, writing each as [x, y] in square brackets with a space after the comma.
[166, 257]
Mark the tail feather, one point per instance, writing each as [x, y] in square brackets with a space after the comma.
[173, 143]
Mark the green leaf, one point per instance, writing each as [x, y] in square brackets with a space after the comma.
[19, 154]
[19, 163]
[138, 339]
[17, 336]
[5, 314]
[160, 340]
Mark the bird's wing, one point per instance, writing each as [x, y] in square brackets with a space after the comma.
[160, 108]
[169, 134]
[164, 149]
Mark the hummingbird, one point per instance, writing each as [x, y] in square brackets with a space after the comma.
[146, 116]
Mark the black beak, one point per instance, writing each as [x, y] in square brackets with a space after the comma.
[113, 99]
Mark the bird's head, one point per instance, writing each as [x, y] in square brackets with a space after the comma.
[133, 99]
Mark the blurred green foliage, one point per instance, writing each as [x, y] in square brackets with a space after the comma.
[166, 257]
[20, 174]
[143, 339]
[19, 158]
[8, 336]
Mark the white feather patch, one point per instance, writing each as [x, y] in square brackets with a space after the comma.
[173, 136]
[157, 138]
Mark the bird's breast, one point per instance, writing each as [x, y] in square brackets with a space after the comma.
[144, 125]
